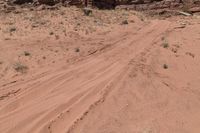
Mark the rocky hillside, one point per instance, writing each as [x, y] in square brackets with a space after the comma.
[185, 5]
[189, 6]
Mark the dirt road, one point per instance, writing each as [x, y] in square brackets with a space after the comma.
[133, 84]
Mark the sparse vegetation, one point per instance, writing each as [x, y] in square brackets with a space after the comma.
[12, 29]
[165, 45]
[87, 11]
[75, 66]
[186, 7]
[19, 67]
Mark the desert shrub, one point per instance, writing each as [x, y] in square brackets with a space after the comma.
[19, 67]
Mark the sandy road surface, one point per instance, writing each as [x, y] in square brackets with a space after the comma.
[122, 88]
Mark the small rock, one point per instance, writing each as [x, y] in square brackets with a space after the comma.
[180, 27]
[51, 33]
[26, 53]
[124, 22]
[77, 50]
[165, 66]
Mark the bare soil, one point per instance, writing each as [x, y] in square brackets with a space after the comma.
[113, 71]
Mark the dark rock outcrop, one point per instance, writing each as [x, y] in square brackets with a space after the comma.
[19, 2]
[139, 5]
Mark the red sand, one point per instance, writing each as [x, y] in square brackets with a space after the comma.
[120, 80]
